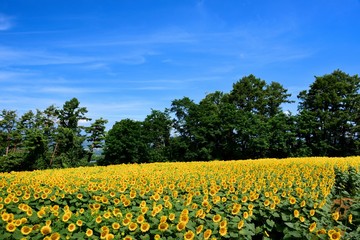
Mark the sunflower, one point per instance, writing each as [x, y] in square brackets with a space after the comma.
[105, 229]
[189, 235]
[55, 236]
[303, 203]
[312, 212]
[17, 222]
[350, 218]
[133, 226]
[235, 210]
[199, 229]
[144, 210]
[207, 234]
[312, 227]
[335, 235]
[115, 225]
[292, 200]
[240, 224]
[185, 211]
[29, 212]
[116, 201]
[79, 223]
[25, 230]
[163, 226]
[41, 213]
[296, 213]
[321, 231]
[223, 231]
[98, 219]
[217, 218]
[89, 232]
[107, 215]
[45, 230]
[23, 220]
[126, 202]
[184, 218]
[71, 227]
[223, 223]
[245, 215]
[181, 226]
[156, 197]
[266, 203]
[140, 218]
[336, 215]
[5, 217]
[163, 219]
[109, 236]
[65, 217]
[144, 227]
[172, 216]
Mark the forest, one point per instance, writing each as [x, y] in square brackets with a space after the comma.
[246, 123]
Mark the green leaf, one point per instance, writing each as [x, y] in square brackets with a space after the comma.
[234, 235]
[269, 222]
[285, 217]
[290, 225]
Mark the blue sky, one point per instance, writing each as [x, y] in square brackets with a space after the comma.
[122, 58]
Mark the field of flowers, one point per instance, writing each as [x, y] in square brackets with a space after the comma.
[253, 199]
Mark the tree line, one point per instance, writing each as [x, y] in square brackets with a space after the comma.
[246, 123]
[51, 138]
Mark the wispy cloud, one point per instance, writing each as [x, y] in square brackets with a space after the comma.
[16, 57]
[5, 22]
[171, 35]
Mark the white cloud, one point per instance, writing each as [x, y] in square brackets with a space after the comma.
[5, 22]
[14, 57]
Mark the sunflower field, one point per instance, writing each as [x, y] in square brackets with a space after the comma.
[299, 198]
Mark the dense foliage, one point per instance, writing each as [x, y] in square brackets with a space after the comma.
[301, 198]
[246, 123]
[51, 138]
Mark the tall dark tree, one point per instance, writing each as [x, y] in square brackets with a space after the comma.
[68, 149]
[260, 119]
[71, 114]
[329, 115]
[8, 131]
[183, 145]
[96, 136]
[248, 94]
[156, 130]
[125, 143]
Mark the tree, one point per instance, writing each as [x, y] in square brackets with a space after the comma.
[156, 129]
[329, 115]
[125, 143]
[183, 144]
[248, 94]
[68, 137]
[259, 118]
[9, 135]
[96, 136]
[71, 114]
[34, 142]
